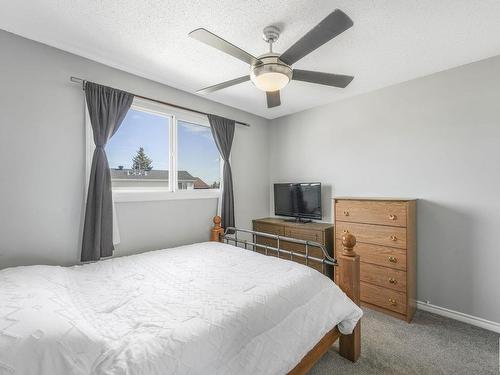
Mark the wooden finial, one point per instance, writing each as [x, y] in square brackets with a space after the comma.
[217, 230]
[217, 221]
[348, 242]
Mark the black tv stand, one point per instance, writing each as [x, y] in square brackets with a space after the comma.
[298, 220]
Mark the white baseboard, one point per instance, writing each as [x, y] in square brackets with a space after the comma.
[466, 318]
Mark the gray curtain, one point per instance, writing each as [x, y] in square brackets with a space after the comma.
[223, 132]
[107, 109]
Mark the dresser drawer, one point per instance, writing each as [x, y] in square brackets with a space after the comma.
[268, 228]
[383, 297]
[266, 242]
[371, 212]
[305, 234]
[374, 234]
[298, 248]
[383, 276]
[376, 254]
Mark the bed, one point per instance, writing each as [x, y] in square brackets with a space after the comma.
[175, 311]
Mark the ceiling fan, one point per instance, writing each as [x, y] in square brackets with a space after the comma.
[271, 71]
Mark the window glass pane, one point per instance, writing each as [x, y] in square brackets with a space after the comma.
[198, 162]
[138, 153]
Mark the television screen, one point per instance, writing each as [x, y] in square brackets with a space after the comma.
[301, 200]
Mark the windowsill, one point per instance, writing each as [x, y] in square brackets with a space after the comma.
[136, 195]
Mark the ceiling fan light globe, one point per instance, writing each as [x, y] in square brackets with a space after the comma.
[270, 81]
[271, 76]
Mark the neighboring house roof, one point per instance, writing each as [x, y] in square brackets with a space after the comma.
[154, 174]
[200, 184]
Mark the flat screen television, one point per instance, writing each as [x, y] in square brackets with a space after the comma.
[298, 200]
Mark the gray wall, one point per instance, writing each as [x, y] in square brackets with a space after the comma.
[42, 148]
[435, 138]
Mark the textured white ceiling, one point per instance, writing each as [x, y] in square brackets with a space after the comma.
[391, 41]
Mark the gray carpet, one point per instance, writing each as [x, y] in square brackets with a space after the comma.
[430, 344]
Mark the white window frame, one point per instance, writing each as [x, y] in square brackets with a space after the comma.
[172, 192]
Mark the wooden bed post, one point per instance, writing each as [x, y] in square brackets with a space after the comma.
[348, 281]
[217, 231]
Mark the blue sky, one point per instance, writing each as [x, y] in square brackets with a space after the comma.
[196, 149]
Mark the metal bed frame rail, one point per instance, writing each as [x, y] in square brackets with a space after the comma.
[231, 235]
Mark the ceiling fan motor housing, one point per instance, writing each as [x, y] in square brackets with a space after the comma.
[272, 75]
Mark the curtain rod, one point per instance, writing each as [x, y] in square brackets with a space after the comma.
[82, 82]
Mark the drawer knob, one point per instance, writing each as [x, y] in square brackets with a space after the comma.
[394, 238]
[392, 280]
[392, 217]
[346, 213]
[392, 301]
[393, 259]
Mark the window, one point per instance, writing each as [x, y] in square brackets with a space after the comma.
[154, 140]
[138, 154]
[197, 156]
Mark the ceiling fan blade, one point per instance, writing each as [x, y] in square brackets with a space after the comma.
[337, 80]
[334, 24]
[215, 41]
[223, 85]
[273, 99]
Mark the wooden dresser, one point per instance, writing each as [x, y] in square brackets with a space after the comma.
[317, 232]
[385, 230]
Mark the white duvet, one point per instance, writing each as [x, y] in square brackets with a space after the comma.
[207, 309]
